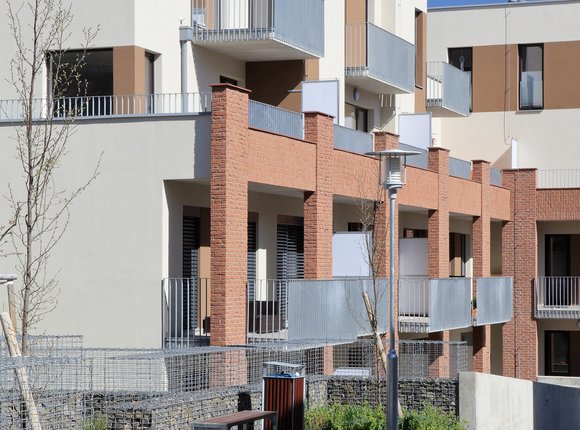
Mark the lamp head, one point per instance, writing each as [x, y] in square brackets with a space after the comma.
[392, 166]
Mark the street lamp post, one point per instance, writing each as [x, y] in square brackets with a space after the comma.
[392, 178]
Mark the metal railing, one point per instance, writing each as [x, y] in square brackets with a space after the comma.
[430, 305]
[448, 88]
[275, 119]
[107, 106]
[459, 168]
[414, 305]
[421, 160]
[557, 297]
[267, 310]
[494, 300]
[374, 52]
[299, 23]
[558, 178]
[308, 310]
[185, 312]
[352, 140]
[495, 177]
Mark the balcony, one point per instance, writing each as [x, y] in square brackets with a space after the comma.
[448, 90]
[431, 305]
[311, 310]
[557, 297]
[494, 301]
[260, 30]
[378, 61]
[351, 140]
[558, 178]
[113, 106]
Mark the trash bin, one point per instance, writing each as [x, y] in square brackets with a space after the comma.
[284, 392]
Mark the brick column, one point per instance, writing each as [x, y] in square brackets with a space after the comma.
[385, 140]
[438, 248]
[229, 214]
[319, 128]
[481, 263]
[318, 206]
[519, 260]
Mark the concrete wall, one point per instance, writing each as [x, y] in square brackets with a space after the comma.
[495, 402]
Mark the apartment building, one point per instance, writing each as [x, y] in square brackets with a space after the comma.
[233, 135]
[524, 104]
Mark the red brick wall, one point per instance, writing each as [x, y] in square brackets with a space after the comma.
[464, 196]
[229, 214]
[501, 204]
[558, 204]
[481, 263]
[318, 204]
[519, 260]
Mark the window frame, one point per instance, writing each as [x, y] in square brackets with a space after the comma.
[521, 49]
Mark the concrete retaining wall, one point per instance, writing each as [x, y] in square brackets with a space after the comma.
[489, 402]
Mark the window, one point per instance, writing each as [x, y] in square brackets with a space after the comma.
[74, 74]
[356, 118]
[462, 58]
[557, 353]
[414, 233]
[531, 76]
[457, 254]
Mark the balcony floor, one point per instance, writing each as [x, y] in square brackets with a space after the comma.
[362, 78]
[435, 106]
[267, 49]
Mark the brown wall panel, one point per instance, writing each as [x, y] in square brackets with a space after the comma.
[495, 78]
[271, 81]
[561, 65]
[356, 11]
[128, 70]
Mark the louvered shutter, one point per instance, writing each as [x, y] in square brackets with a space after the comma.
[190, 270]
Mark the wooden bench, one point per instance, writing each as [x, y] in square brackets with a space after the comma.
[239, 418]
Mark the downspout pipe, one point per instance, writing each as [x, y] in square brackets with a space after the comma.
[185, 36]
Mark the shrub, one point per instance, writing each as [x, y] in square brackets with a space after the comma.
[430, 418]
[345, 417]
[365, 417]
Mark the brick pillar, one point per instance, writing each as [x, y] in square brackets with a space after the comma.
[318, 218]
[519, 260]
[385, 140]
[229, 214]
[438, 249]
[319, 128]
[481, 264]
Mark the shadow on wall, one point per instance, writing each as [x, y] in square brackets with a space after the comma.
[556, 407]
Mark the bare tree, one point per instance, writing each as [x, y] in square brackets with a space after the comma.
[41, 31]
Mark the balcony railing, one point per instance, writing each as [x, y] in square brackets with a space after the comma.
[420, 160]
[379, 61]
[185, 312]
[107, 106]
[296, 27]
[494, 300]
[495, 177]
[557, 297]
[352, 140]
[459, 168]
[430, 305]
[302, 309]
[275, 119]
[558, 178]
[448, 90]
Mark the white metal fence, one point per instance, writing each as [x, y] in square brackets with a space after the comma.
[557, 297]
[558, 178]
[275, 119]
[106, 106]
[185, 312]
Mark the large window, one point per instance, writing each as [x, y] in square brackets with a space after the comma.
[531, 76]
[356, 118]
[557, 353]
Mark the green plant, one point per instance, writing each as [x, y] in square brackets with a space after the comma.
[430, 418]
[345, 417]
